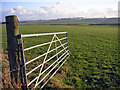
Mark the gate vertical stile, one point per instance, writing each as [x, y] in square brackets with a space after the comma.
[23, 63]
[67, 42]
[19, 60]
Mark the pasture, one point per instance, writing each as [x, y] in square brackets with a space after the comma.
[93, 61]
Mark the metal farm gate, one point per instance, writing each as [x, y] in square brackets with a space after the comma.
[61, 57]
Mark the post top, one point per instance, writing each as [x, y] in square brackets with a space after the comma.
[11, 16]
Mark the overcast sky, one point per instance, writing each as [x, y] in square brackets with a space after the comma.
[52, 9]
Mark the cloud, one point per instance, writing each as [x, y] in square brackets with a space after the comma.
[19, 10]
[42, 11]
[12, 11]
[59, 10]
[111, 12]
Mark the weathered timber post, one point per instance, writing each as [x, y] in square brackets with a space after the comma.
[12, 44]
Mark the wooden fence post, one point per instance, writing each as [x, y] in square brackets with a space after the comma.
[12, 27]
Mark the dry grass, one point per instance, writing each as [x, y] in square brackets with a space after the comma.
[6, 80]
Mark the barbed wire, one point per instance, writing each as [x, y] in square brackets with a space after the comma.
[16, 76]
[6, 72]
[14, 70]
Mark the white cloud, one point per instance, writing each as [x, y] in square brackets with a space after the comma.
[20, 7]
[12, 11]
[19, 10]
[111, 12]
[59, 10]
[42, 11]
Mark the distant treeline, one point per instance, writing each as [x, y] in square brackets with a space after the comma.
[49, 24]
[107, 24]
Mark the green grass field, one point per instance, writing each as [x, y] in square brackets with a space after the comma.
[93, 61]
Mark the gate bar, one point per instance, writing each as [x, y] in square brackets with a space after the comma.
[48, 68]
[42, 34]
[43, 54]
[45, 61]
[53, 74]
[50, 71]
[42, 44]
